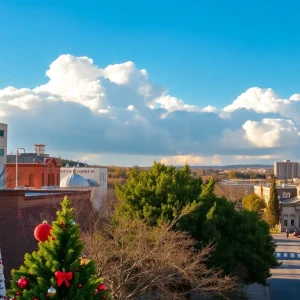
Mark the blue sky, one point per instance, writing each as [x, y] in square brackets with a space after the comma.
[204, 52]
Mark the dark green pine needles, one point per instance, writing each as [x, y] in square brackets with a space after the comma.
[56, 270]
[273, 208]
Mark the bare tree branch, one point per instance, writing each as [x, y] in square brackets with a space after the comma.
[153, 262]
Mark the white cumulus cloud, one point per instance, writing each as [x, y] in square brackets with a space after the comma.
[90, 110]
[272, 133]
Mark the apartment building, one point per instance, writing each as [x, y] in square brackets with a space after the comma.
[286, 169]
[3, 153]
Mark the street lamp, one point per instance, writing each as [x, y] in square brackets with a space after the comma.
[17, 164]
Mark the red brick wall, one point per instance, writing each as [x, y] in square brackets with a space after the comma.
[20, 215]
[50, 172]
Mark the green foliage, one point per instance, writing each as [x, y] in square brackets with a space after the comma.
[239, 175]
[208, 189]
[61, 252]
[243, 241]
[254, 203]
[157, 194]
[273, 209]
[244, 245]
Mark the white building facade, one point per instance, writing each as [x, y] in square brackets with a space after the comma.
[290, 213]
[96, 178]
[3, 153]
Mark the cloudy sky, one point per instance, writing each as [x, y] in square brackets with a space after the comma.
[127, 83]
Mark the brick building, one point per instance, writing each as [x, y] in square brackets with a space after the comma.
[35, 170]
[21, 211]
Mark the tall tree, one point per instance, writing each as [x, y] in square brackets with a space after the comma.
[273, 208]
[156, 196]
[57, 270]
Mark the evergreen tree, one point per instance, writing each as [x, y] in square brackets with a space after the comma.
[157, 194]
[243, 241]
[208, 190]
[56, 270]
[273, 209]
[2, 281]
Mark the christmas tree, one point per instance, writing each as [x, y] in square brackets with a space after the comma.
[57, 270]
[2, 281]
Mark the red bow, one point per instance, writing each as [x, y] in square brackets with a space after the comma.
[63, 277]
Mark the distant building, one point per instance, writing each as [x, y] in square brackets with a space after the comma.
[35, 170]
[3, 153]
[290, 212]
[284, 191]
[286, 169]
[83, 178]
[94, 176]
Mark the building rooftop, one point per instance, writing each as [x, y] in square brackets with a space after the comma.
[291, 200]
[74, 180]
[28, 158]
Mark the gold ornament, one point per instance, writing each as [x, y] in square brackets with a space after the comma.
[51, 291]
[84, 261]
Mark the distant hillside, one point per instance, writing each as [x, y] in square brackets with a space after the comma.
[255, 166]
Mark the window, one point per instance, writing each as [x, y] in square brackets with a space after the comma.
[43, 179]
[1, 152]
[288, 195]
[285, 221]
[292, 222]
[284, 195]
[2, 133]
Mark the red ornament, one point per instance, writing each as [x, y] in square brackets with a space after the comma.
[23, 283]
[42, 231]
[102, 287]
[61, 223]
[79, 285]
[96, 292]
[64, 228]
[62, 277]
[18, 293]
